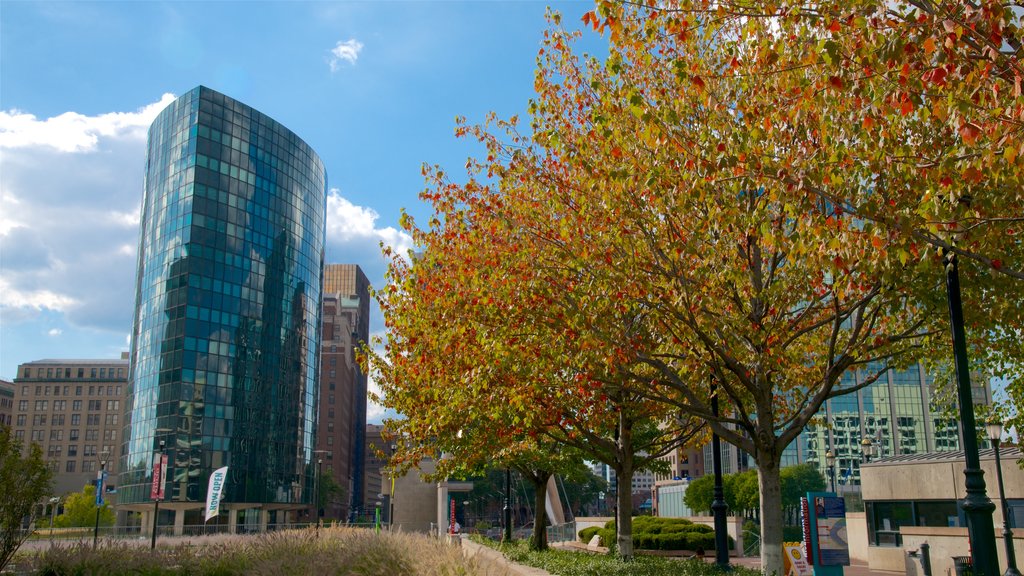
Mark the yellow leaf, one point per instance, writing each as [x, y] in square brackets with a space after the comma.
[1010, 154]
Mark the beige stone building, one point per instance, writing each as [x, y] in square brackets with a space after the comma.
[74, 410]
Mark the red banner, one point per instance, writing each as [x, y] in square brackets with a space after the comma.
[156, 490]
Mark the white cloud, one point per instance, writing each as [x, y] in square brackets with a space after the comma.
[348, 51]
[55, 332]
[348, 223]
[38, 299]
[74, 132]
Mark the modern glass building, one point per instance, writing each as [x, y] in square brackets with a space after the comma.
[224, 366]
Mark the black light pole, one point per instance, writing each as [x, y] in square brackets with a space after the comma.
[391, 497]
[718, 505]
[99, 499]
[156, 501]
[977, 506]
[508, 506]
[995, 433]
[319, 479]
[830, 465]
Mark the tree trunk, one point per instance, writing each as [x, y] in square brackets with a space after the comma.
[539, 540]
[770, 482]
[624, 515]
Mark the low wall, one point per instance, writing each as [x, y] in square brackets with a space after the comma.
[944, 543]
[857, 536]
[493, 563]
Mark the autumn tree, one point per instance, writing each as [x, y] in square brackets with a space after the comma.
[681, 278]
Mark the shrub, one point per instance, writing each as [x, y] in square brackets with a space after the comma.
[587, 533]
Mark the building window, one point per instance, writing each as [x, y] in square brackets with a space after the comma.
[113, 404]
[21, 419]
[73, 435]
[81, 372]
[76, 405]
[28, 373]
[110, 420]
[37, 435]
[41, 405]
[78, 390]
[76, 419]
[70, 465]
[23, 405]
[91, 434]
[73, 450]
[92, 374]
[39, 419]
[88, 466]
[57, 420]
[109, 434]
[19, 435]
[92, 420]
[60, 405]
[95, 405]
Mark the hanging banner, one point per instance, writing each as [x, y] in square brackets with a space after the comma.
[214, 492]
[156, 490]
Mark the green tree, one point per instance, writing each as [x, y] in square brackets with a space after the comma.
[80, 510]
[25, 479]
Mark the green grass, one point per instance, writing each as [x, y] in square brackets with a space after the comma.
[567, 563]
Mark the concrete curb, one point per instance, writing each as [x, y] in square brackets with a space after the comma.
[493, 563]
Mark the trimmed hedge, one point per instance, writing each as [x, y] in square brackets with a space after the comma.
[651, 533]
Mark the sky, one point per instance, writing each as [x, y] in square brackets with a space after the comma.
[373, 87]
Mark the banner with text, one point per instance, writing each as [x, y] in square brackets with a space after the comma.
[214, 492]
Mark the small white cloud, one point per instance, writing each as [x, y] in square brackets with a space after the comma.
[348, 51]
[55, 332]
[74, 132]
[347, 223]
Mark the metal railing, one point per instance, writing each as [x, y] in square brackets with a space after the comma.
[751, 543]
[562, 532]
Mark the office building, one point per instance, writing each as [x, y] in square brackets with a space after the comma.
[342, 431]
[73, 410]
[895, 414]
[6, 403]
[227, 319]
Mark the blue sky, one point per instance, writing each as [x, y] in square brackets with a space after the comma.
[374, 87]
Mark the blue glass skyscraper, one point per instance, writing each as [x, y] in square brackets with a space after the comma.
[224, 368]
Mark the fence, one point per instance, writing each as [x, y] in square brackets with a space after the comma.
[562, 532]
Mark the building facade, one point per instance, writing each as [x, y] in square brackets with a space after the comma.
[226, 329]
[342, 431]
[73, 410]
[894, 414]
[6, 403]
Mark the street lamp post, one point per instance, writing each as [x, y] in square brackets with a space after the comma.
[100, 477]
[977, 506]
[508, 505]
[718, 505]
[995, 433]
[830, 464]
[157, 494]
[391, 497]
[53, 512]
[319, 475]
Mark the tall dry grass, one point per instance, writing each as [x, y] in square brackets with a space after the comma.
[329, 551]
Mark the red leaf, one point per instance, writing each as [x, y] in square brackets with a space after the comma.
[698, 82]
[836, 82]
[834, 26]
